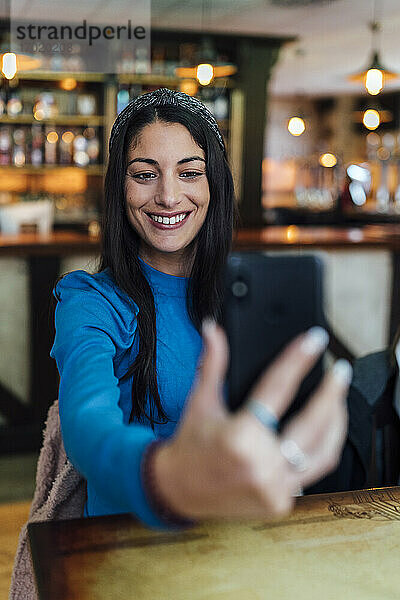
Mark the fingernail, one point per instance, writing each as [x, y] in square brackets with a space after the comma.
[315, 341]
[207, 326]
[343, 371]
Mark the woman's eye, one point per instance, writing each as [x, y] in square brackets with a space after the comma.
[150, 175]
[144, 176]
[190, 174]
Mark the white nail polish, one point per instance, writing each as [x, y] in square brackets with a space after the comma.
[315, 341]
[343, 371]
[207, 326]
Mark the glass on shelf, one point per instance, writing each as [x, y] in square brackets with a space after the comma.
[316, 187]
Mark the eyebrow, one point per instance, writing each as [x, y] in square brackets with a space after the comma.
[151, 161]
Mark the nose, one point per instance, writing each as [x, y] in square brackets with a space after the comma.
[168, 193]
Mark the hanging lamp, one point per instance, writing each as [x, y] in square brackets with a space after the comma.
[11, 63]
[375, 75]
[206, 67]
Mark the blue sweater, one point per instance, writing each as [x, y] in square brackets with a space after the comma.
[95, 329]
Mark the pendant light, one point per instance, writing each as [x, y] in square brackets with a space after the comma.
[12, 63]
[296, 123]
[375, 75]
[207, 67]
[372, 117]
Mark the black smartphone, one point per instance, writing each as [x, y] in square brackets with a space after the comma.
[268, 300]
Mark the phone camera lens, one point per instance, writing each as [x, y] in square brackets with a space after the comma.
[239, 289]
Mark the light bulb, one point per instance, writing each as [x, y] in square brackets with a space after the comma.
[371, 119]
[296, 126]
[374, 81]
[327, 160]
[204, 73]
[9, 65]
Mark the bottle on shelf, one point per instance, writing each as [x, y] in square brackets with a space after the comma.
[36, 153]
[80, 155]
[50, 146]
[19, 151]
[66, 138]
[122, 98]
[86, 104]
[14, 105]
[221, 105]
[142, 61]
[45, 106]
[93, 144]
[5, 146]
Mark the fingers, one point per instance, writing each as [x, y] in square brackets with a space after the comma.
[212, 366]
[279, 383]
[214, 361]
[320, 428]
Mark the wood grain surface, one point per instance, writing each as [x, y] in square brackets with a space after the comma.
[333, 546]
[12, 517]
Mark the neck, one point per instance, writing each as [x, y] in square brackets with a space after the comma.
[169, 263]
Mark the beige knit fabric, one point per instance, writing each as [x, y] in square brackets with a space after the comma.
[60, 493]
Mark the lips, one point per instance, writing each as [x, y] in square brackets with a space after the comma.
[169, 215]
[164, 226]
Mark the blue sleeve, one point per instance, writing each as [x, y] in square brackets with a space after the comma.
[92, 321]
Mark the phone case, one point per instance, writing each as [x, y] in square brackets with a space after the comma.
[268, 300]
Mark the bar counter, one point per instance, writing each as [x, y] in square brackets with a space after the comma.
[362, 292]
[275, 237]
[58, 243]
[272, 237]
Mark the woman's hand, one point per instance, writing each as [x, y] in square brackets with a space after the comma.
[225, 465]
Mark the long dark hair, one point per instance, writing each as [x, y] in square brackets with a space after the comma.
[120, 247]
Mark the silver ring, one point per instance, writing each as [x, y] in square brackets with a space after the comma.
[263, 414]
[294, 455]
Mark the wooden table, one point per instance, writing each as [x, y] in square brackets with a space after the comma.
[342, 546]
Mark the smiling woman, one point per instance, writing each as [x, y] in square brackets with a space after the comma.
[167, 195]
[141, 398]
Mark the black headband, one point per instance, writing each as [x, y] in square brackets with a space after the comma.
[165, 97]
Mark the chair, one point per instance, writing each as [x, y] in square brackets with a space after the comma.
[385, 457]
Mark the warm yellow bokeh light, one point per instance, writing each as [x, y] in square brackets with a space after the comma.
[52, 137]
[67, 137]
[373, 139]
[292, 233]
[371, 119]
[296, 126]
[9, 65]
[327, 160]
[204, 73]
[189, 87]
[383, 153]
[68, 84]
[374, 81]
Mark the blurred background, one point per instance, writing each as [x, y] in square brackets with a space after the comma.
[307, 96]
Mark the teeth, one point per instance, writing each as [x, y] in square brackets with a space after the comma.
[168, 221]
